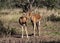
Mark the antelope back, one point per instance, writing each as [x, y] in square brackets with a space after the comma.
[35, 17]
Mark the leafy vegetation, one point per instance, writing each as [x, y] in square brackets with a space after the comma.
[13, 3]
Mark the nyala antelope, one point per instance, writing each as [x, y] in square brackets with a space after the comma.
[23, 23]
[35, 19]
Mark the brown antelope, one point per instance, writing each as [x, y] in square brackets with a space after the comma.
[35, 19]
[22, 22]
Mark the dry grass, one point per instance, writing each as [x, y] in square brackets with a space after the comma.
[49, 29]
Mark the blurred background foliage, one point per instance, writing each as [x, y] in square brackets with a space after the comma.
[39, 3]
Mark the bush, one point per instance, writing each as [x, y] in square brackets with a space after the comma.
[3, 30]
[53, 18]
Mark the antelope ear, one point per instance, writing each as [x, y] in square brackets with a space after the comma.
[29, 13]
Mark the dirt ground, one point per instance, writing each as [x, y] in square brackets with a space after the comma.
[37, 39]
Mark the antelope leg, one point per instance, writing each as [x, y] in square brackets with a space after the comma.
[22, 31]
[34, 29]
[26, 31]
[39, 28]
